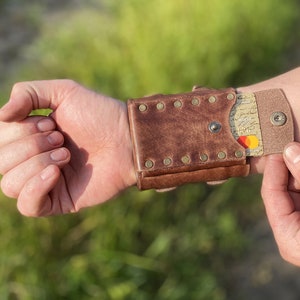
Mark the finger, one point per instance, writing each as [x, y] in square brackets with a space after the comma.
[276, 198]
[13, 181]
[294, 185]
[10, 132]
[292, 159]
[34, 199]
[21, 150]
[27, 96]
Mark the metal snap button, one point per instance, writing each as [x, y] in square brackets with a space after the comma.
[214, 127]
[278, 118]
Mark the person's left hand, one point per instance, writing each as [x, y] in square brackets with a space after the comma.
[84, 161]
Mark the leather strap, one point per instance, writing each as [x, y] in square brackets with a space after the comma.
[189, 137]
[276, 120]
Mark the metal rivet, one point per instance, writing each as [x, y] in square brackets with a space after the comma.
[177, 104]
[203, 157]
[278, 118]
[186, 159]
[221, 155]
[196, 87]
[160, 106]
[214, 127]
[142, 107]
[239, 154]
[230, 96]
[167, 161]
[212, 99]
[195, 101]
[149, 164]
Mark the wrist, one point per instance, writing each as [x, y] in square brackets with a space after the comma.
[128, 172]
[158, 123]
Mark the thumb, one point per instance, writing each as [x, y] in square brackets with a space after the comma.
[292, 159]
[274, 188]
[27, 96]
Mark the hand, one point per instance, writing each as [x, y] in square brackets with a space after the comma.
[85, 161]
[281, 195]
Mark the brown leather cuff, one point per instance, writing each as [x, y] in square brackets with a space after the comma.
[190, 137]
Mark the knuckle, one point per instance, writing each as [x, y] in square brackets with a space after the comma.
[70, 87]
[25, 212]
[18, 86]
[29, 204]
[70, 82]
[8, 187]
[37, 144]
[2, 165]
[30, 125]
[29, 149]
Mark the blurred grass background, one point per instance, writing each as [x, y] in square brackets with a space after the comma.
[142, 245]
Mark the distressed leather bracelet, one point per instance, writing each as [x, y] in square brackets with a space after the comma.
[205, 135]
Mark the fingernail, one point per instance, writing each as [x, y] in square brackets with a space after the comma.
[292, 154]
[46, 124]
[55, 138]
[59, 154]
[47, 173]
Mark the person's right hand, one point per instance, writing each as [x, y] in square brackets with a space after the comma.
[281, 195]
[85, 161]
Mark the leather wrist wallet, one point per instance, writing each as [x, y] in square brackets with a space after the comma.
[205, 135]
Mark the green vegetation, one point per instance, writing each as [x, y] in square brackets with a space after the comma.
[175, 245]
[136, 47]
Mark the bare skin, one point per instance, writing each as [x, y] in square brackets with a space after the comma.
[280, 192]
[85, 161]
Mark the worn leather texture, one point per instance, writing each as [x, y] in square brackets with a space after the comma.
[185, 138]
